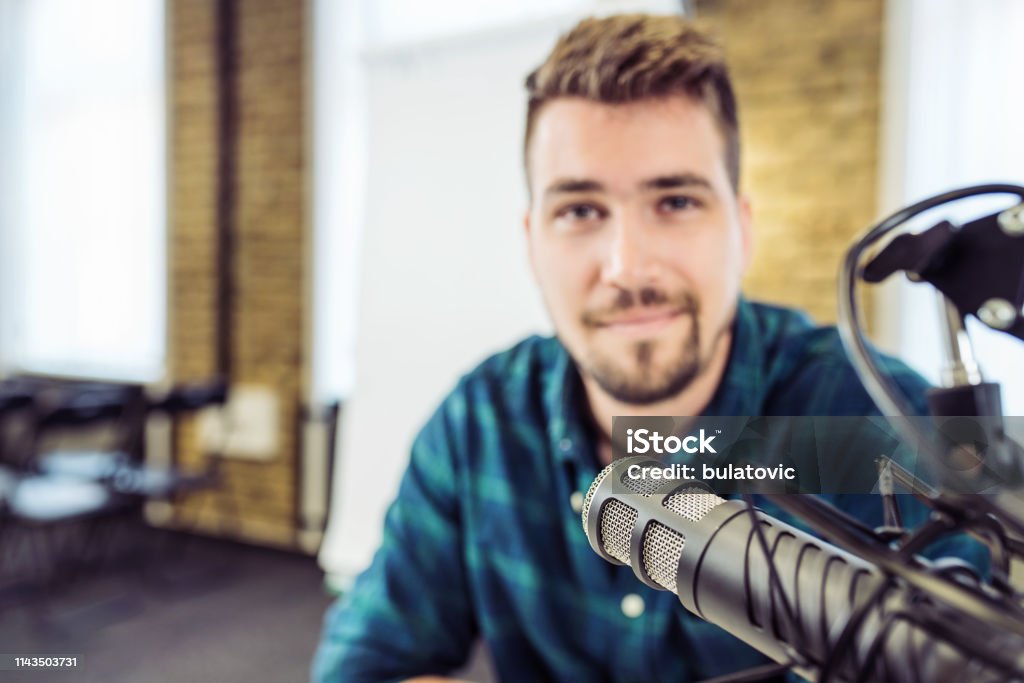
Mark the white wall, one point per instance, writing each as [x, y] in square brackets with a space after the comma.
[445, 279]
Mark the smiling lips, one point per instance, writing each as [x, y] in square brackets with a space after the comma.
[642, 323]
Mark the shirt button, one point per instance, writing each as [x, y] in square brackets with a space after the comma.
[632, 605]
[565, 445]
[576, 502]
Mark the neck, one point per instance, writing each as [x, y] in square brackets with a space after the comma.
[690, 402]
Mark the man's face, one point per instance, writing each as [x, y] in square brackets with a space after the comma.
[636, 238]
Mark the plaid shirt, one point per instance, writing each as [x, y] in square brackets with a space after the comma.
[484, 538]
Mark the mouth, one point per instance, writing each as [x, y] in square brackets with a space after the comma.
[642, 324]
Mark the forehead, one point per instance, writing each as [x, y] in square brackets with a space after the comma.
[621, 144]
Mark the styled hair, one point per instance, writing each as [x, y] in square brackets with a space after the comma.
[634, 57]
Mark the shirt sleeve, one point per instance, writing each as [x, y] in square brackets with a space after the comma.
[409, 613]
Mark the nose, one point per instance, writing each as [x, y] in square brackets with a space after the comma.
[632, 259]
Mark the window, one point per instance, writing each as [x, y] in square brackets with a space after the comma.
[952, 120]
[82, 187]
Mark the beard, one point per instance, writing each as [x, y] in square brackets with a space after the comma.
[635, 377]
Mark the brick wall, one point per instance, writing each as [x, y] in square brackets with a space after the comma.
[269, 253]
[807, 76]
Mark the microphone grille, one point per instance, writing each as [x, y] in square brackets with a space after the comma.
[617, 520]
[661, 552]
[664, 546]
[644, 487]
[693, 502]
[661, 546]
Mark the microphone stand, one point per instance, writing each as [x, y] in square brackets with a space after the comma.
[976, 268]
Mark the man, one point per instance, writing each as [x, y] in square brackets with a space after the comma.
[638, 238]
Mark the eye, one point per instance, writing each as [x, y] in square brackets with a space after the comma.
[678, 203]
[580, 212]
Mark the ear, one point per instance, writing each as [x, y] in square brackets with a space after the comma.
[746, 220]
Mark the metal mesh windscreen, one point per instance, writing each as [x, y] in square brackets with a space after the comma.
[662, 546]
[617, 520]
[644, 487]
[661, 552]
[692, 503]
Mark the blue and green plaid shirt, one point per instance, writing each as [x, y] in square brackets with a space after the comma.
[484, 541]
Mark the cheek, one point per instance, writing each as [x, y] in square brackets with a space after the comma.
[564, 276]
[713, 266]
[698, 258]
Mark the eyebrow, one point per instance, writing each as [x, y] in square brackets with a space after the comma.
[669, 182]
[672, 182]
[573, 185]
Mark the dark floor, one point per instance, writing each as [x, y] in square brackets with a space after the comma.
[225, 613]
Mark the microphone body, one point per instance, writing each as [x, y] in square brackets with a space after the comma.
[679, 537]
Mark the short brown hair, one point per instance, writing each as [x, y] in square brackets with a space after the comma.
[633, 57]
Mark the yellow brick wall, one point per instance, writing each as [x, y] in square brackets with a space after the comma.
[269, 253]
[807, 77]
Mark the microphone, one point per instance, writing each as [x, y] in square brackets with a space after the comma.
[680, 537]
